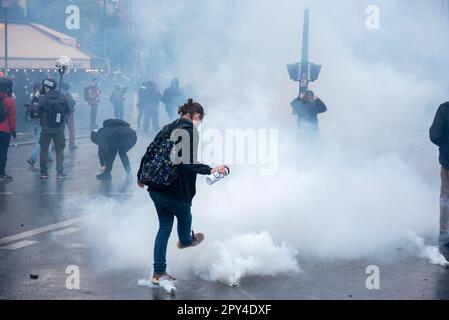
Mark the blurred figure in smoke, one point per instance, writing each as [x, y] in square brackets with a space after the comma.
[33, 116]
[7, 124]
[117, 99]
[54, 110]
[71, 118]
[149, 103]
[140, 98]
[116, 136]
[92, 97]
[307, 108]
[175, 200]
[173, 97]
[439, 135]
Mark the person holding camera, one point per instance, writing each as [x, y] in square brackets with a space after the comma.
[306, 108]
[54, 110]
[92, 95]
[7, 124]
[117, 99]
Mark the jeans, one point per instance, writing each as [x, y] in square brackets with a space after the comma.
[93, 117]
[119, 112]
[71, 127]
[35, 153]
[444, 207]
[59, 142]
[167, 209]
[5, 140]
[150, 113]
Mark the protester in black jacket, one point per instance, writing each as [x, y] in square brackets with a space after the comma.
[175, 200]
[439, 135]
[116, 136]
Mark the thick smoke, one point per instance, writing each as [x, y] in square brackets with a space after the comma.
[373, 176]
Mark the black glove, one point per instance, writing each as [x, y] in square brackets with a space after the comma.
[14, 134]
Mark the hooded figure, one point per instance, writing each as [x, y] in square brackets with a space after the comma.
[116, 136]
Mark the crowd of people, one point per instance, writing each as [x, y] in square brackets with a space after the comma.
[51, 109]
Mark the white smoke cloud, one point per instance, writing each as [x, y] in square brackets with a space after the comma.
[373, 176]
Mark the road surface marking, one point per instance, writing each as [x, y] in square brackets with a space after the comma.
[18, 245]
[65, 231]
[40, 230]
[60, 193]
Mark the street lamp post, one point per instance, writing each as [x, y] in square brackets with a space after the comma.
[5, 5]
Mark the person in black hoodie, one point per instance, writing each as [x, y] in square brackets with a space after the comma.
[439, 135]
[116, 136]
[175, 200]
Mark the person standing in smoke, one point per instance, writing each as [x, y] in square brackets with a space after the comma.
[116, 136]
[140, 100]
[117, 99]
[33, 116]
[92, 95]
[439, 135]
[173, 97]
[54, 110]
[175, 200]
[307, 108]
[150, 104]
[7, 124]
[71, 118]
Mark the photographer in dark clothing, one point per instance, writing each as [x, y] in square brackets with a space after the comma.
[54, 110]
[116, 136]
[307, 108]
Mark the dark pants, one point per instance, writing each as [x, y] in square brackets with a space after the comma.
[151, 113]
[167, 209]
[123, 157]
[444, 207]
[119, 111]
[93, 117]
[5, 140]
[139, 117]
[59, 142]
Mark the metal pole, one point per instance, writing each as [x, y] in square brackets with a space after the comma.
[104, 31]
[6, 39]
[304, 77]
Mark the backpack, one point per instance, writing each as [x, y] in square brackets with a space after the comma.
[156, 167]
[2, 110]
[55, 110]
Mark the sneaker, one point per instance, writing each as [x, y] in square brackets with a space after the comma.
[44, 175]
[197, 239]
[73, 147]
[31, 162]
[62, 176]
[6, 177]
[104, 176]
[157, 277]
[50, 161]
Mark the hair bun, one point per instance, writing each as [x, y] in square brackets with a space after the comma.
[190, 101]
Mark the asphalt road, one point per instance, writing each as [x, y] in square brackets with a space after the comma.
[38, 237]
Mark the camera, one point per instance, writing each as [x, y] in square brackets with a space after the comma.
[63, 63]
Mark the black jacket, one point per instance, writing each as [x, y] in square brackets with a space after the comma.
[184, 187]
[308, 111]
[45, 101]
[439, 133]
[116, 135]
